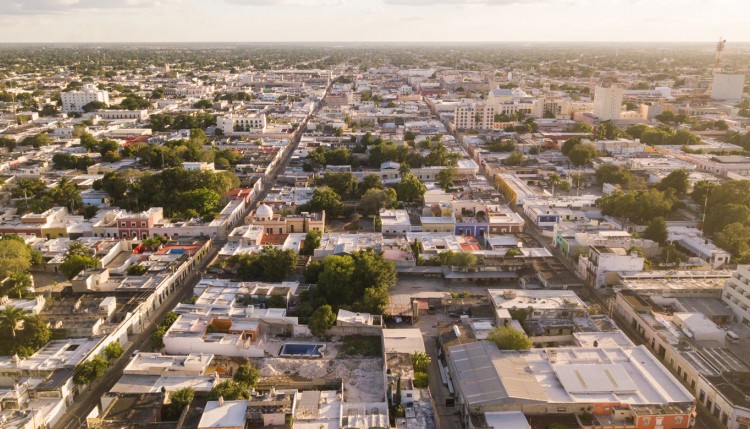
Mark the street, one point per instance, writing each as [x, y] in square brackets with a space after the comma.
[89, 399]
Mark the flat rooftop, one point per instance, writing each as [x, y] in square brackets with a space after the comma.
[628, 375]
[538, 299]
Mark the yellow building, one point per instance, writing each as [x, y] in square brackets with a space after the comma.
[277, 224]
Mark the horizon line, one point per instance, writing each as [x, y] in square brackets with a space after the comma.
[375, 42]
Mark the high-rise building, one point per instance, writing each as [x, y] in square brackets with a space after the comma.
[728, 86]
[475, 116]
[73, 101]
[608, 102]
[737, 294]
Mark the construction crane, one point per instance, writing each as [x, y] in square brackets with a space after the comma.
[718, 55]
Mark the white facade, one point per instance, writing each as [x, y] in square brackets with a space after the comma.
[246, 123]
[394, 222]
[477, 116]
[73, 101]
[608, 103]
[604, 260]
[737, 294]
[728, 86]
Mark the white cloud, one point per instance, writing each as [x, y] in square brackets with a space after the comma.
[44, 7]
[461, 2]
[287, 2]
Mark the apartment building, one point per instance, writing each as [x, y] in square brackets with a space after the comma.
[73, 101]
[242, 123]
[475, 116]
[737, 294]
[608, 102]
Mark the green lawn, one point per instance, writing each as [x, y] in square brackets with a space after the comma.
[357, 346]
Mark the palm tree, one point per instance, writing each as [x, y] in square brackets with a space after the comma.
[10, 317]
[420, 361]
[553, 180]
[21, 281]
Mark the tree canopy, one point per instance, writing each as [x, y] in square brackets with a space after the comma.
[320, 320]
[508, 338]
[637, 206]
[359, 281]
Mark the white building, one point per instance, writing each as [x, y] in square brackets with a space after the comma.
[242, 123]
[511, 101]
[737, 294]
[608, 103]
[728, 86]
[602, 263]
[475, 116]
[394, 222]
[73, 101]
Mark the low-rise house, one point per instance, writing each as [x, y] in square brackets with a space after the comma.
[601, 265]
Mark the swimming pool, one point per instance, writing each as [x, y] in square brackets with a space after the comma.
[176, 251]
[305, 350]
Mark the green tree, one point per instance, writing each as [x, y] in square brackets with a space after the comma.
[74, 264]
[582, 154]
[565, 185]
[657, 231]
[321, 319]
[312, 242]
[515, 158]
[420, 361]
[508, 338]
[637, 206]
[445, 178]
[636, 131]
[270, 264]
[180, 399]
[323, 198]
[616, 175]
[88, 371]
[113, 350]
[20, 282]
[459, 259]
[230, 390]
[66, 194]
[94, 105]
[735, 238]
[246, 375]
[410, 189]
[10, 318]
[373, 200]
[421, 380]
[677, 180]
[554, 180]
[15, 256]
[371, 181]
[203, 104]
[344, 184]
[569, 144]
[701, 190]
[607, 131]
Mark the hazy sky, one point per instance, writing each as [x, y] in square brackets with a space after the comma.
[372, 20]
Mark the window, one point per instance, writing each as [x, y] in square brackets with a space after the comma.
[646, 420]
[677, 420]
[143, 223]
[132, 223]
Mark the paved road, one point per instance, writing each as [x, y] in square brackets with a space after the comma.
[89, 399]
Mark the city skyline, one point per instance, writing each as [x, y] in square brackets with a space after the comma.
[132, 21]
